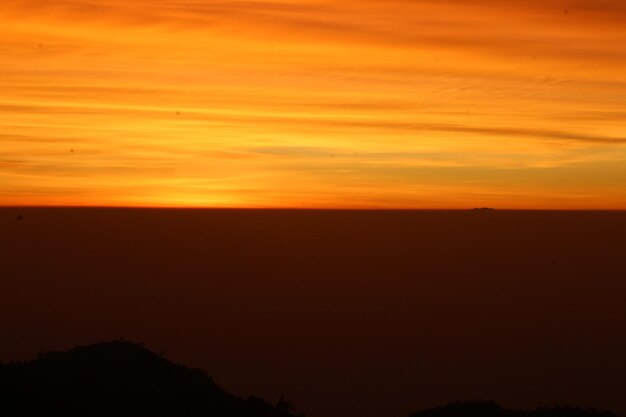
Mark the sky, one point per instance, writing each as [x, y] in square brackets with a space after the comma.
[313, 103]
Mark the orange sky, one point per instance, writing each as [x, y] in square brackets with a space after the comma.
[313, 103]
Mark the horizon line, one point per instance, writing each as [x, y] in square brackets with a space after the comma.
[352, 209]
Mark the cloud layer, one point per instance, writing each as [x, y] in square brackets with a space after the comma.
[371, 103]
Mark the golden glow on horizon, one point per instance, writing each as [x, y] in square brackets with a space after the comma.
[313, 103]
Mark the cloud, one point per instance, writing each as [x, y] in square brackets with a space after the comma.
[275, 100]
[502, 132]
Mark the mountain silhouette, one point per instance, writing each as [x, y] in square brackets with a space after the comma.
[119, 379]
[481, 408]
[124, 379]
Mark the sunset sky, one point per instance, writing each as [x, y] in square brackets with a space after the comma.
[314, 103]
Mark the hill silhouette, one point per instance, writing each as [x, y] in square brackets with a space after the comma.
[119, 379]
[491, 409]
[124, 379]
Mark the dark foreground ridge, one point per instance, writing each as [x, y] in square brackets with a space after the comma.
[491, 409]
[119, 379]
[123, 379]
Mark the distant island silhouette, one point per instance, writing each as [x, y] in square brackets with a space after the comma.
[124, 379]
